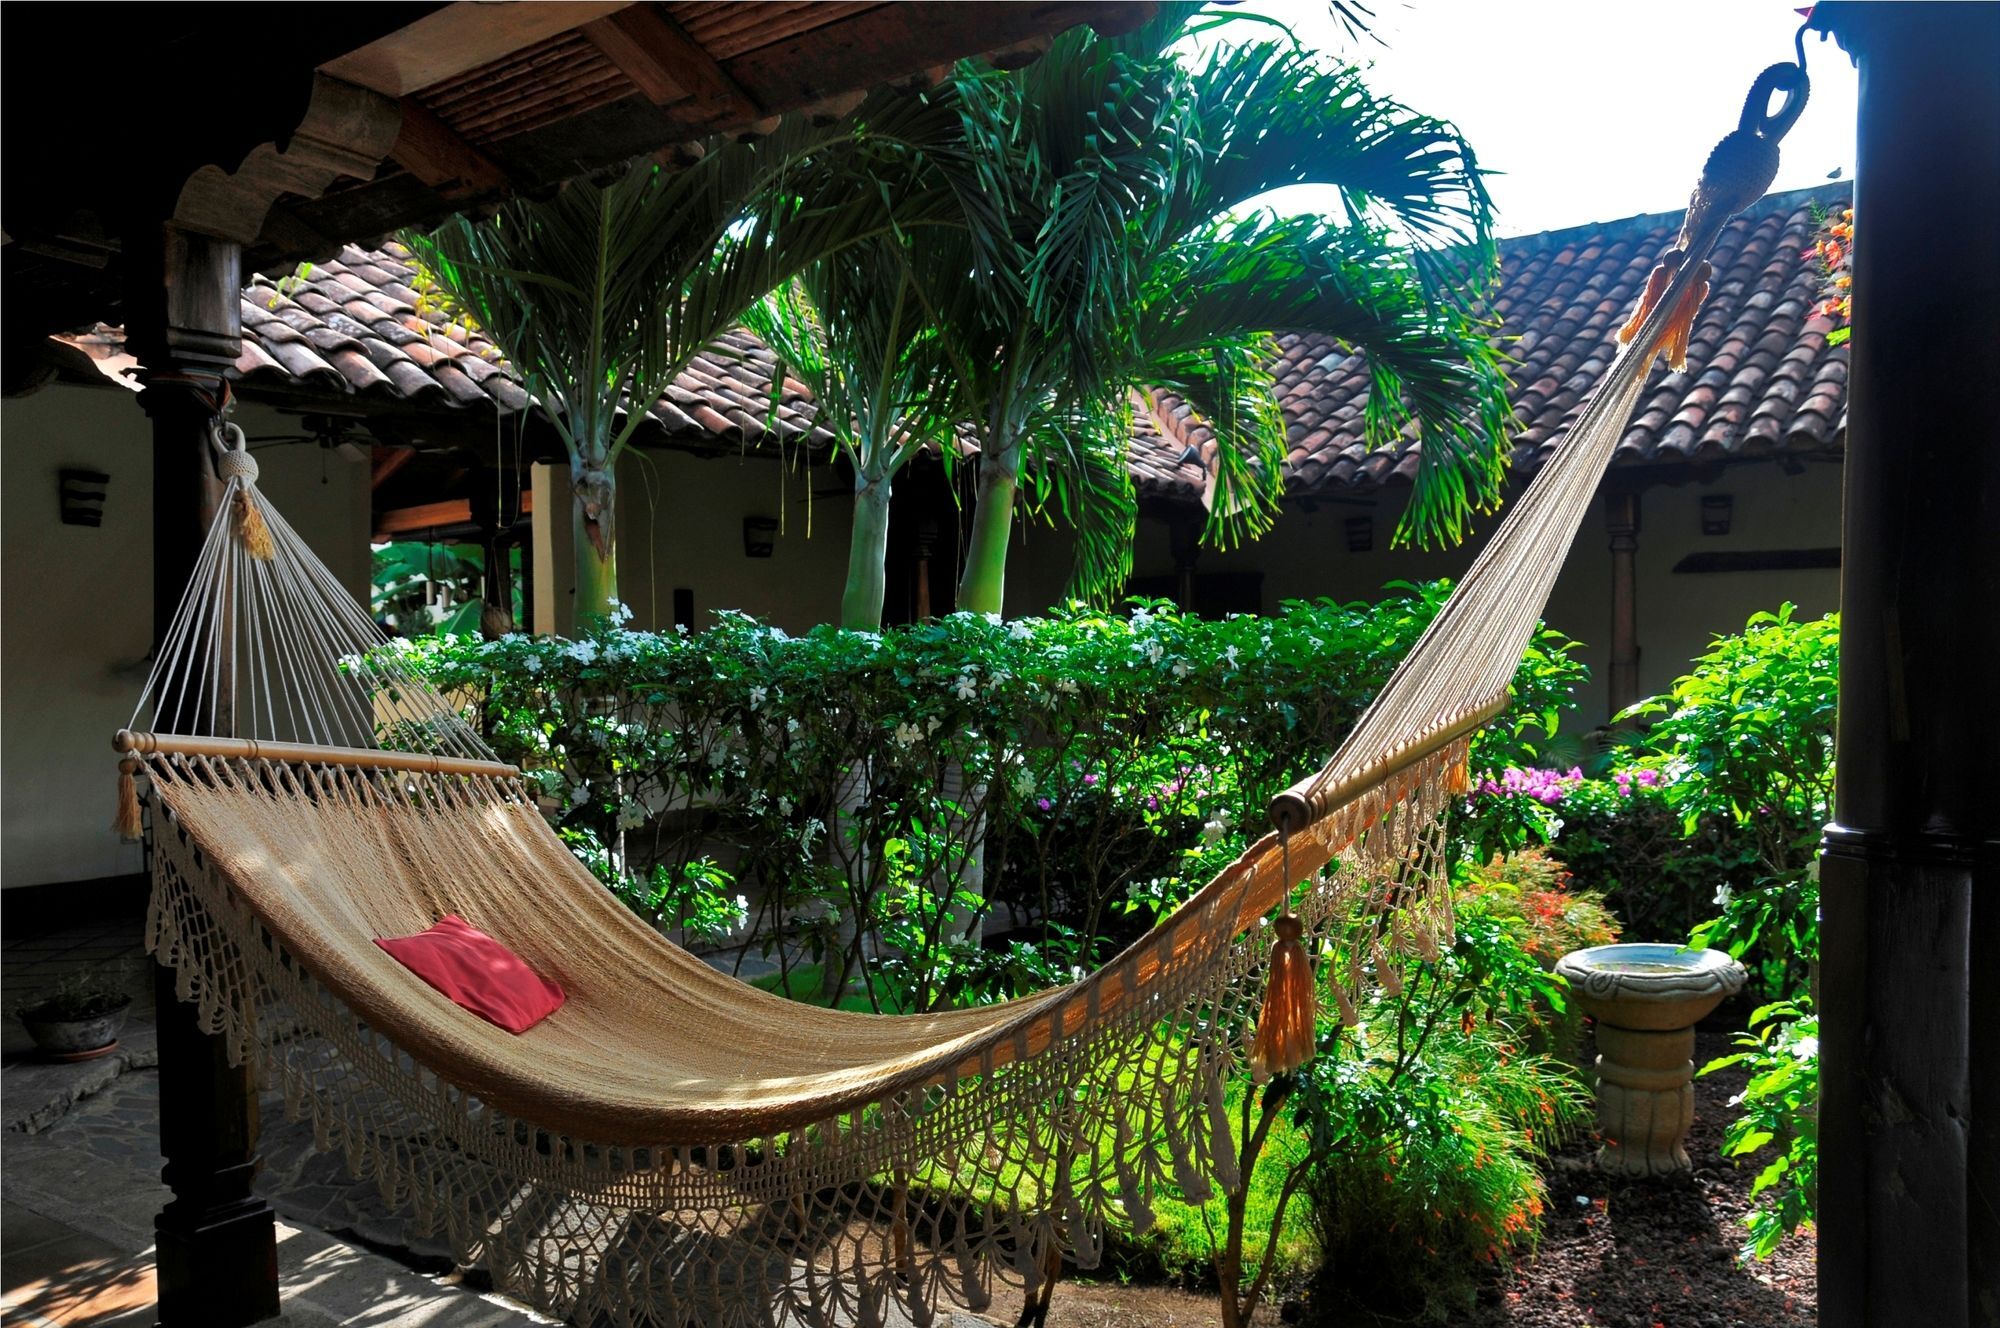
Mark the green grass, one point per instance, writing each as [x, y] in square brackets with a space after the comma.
[803, 984]
[1177, 1247]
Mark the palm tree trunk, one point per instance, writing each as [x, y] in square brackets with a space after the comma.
[594, 516]
[867, 554]
[983, 587]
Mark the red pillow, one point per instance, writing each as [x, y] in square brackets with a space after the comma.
[478, 973]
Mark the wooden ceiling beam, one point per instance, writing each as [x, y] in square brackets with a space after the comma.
[386, 461]
[667, 65]
[434, 516]
[433, 151]
[456, 40]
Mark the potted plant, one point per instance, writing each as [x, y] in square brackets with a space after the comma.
[79, 1016]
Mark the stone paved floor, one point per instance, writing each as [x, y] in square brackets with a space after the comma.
[81, 1165]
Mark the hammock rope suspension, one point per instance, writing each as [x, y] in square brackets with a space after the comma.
[676, 1146]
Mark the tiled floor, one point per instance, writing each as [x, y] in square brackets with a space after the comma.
[81, 1174]
[55, 1274]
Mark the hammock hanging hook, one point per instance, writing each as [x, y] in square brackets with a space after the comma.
[1789, 79]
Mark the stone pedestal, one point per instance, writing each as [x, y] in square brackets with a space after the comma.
[1646, 1000]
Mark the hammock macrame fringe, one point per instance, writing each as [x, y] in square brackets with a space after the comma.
[922, 1197]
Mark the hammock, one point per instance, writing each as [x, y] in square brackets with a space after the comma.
[674, 1146]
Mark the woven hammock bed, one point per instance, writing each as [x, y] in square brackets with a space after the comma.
[673, 1146]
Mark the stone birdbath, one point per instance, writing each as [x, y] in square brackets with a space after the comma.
[1646, 1000]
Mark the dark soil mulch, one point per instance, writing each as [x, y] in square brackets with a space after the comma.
[1658, 1254]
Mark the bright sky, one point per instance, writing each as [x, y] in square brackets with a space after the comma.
[1592, 110]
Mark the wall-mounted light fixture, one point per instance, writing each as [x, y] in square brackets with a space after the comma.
[1360, 534]
[82, 495]
[1716, 510]
[760, 536]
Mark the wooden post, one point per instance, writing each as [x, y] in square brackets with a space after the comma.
[927, 538]
[496, 508]
[1909, 1196]
[1184, 542]
[217, 1257]
[1621, 522]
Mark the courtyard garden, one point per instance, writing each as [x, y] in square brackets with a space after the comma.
[971, 809]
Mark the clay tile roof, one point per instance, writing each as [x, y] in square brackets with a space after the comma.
[1760, 380]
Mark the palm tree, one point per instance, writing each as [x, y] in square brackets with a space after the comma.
[1126, 255]
[601, 294]
[852, 328]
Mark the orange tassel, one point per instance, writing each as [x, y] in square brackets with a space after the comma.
[126, 824]
[1674, 339]
[250, 527]
[1286, 1027]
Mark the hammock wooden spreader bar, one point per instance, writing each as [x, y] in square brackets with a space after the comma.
[676, 1146]
[302, 753]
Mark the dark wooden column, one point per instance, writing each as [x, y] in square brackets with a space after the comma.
[1621, 523]
[1184, 542]
[217, 1242]
[1909, 1200]
[496, 510]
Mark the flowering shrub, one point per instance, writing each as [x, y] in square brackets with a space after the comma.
[1429, 1119]
[1539, 899]
[1745, 740]
[1833, 248]
[875, 799]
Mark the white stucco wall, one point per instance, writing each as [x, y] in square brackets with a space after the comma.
[1305, 556]
[681, 525]
[76, 610]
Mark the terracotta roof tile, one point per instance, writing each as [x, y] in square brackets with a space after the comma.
[1760, 379]
[1760, 375]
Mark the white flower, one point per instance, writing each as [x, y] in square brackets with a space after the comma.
[1182, 668]
[1723, 894]
[1066, 685]
[995, 679]
[1141, 620]
[681, 628]
[933, 724]
[1024, 783]
[784, 806]
[1230, 656]
[993, 618]
[532, 663]
[1806, 1047]
[967, 686]
[583, 652]
[631, 815]
[908, 734]
[757, 695]
[792, 725]
[619, 614]
[1019, 631]
[1155, 652]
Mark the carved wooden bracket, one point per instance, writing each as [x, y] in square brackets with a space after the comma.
[347, 130]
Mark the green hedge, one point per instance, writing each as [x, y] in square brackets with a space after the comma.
[1099, 763]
